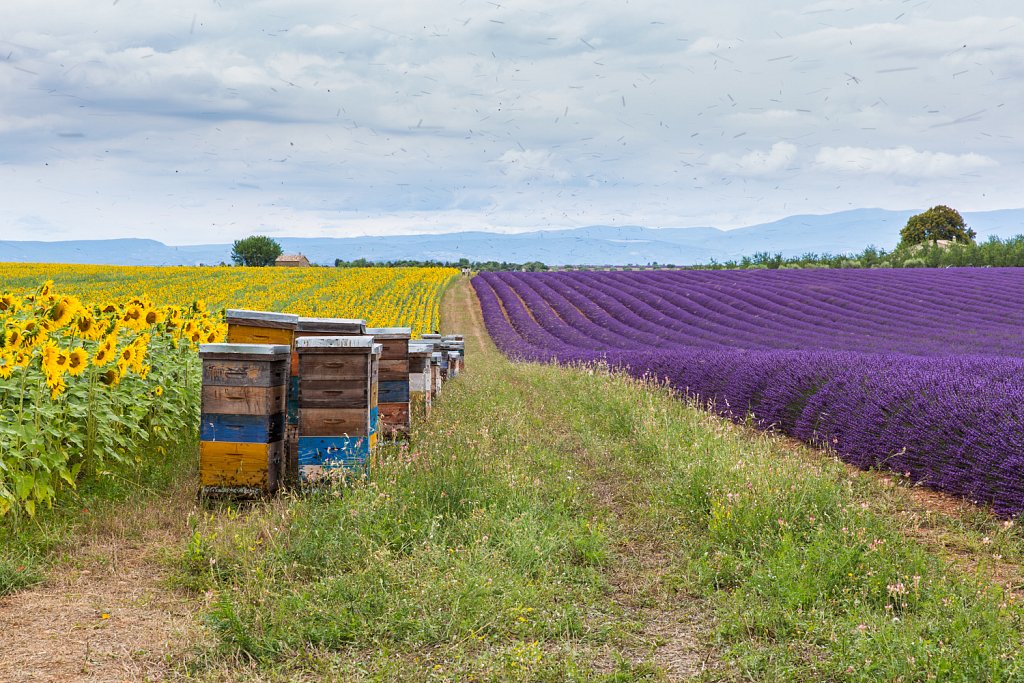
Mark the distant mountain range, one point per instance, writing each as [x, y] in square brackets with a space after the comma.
[844, 232]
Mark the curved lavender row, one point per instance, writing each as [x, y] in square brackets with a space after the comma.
[923, 333]
[949, 421]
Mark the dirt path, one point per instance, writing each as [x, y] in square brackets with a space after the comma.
[106, 612]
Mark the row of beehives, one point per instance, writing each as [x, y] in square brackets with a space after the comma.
[290, 400]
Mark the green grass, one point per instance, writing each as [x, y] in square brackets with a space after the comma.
[491, 550]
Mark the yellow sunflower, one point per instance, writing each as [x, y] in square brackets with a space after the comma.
[62, 313]
[111, 377]
[9, 302]
[154, 317]
[105, 353]
[14, 338]
[78, 360]
[87, 326]
[125, 359]
[57, 386]
[7, 365]
[54, 361]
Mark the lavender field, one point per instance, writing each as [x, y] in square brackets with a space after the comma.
[917, 371]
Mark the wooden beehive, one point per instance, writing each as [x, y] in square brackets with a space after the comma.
[318, 327]
[242, 418]
[435, 374]
[337, 388]
[419, 380]
[455, 342]
[266, 327]
[395, 420]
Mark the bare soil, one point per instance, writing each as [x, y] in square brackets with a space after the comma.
[106, 612]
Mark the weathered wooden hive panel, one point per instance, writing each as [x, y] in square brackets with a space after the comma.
[337, 410]
[420, 399]
[242, 418]
[395, 418]
[268, 327]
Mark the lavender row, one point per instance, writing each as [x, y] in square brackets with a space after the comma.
[947, 409]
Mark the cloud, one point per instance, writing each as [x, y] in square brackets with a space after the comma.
[780, 156]
[900, 160]
[196, 120]
[532, 164]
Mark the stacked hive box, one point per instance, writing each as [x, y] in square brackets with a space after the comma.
[394, 379]
[435, 373]
[316, 327]
[264, 327]
[337, 411]
[242, 418]
[458, 343]
[419, 379]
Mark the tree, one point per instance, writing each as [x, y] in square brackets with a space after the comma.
[937, 223]
[255, 251]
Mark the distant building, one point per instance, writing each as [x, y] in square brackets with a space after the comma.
[292, 261]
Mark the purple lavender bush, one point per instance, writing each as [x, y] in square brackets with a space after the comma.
[917, 371]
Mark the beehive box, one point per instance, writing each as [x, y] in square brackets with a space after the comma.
[337, 411]
[435, 374]
[318, 327]
[420, 399]
[454, 364]
[395, 418]
[267, 327]
[242, 418]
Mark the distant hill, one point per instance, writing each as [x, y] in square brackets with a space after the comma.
[844, 232]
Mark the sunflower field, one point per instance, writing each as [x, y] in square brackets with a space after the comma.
[99, 367]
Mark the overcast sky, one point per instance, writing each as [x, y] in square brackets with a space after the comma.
[200, 121]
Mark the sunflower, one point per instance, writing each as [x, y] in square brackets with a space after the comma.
[46, 288]
[55, 361]
[110, 377]
[139, 348]
[78, 360]
[126, 359]
[61, 314]
[14, 338]
[173, 317]
[87, 325]
[105, 353]
[57, 387]
[9, 302]
[154, 317]
[158, 390]
[7, 365]
[134, 317]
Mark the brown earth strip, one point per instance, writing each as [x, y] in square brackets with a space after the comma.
[106, 612]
